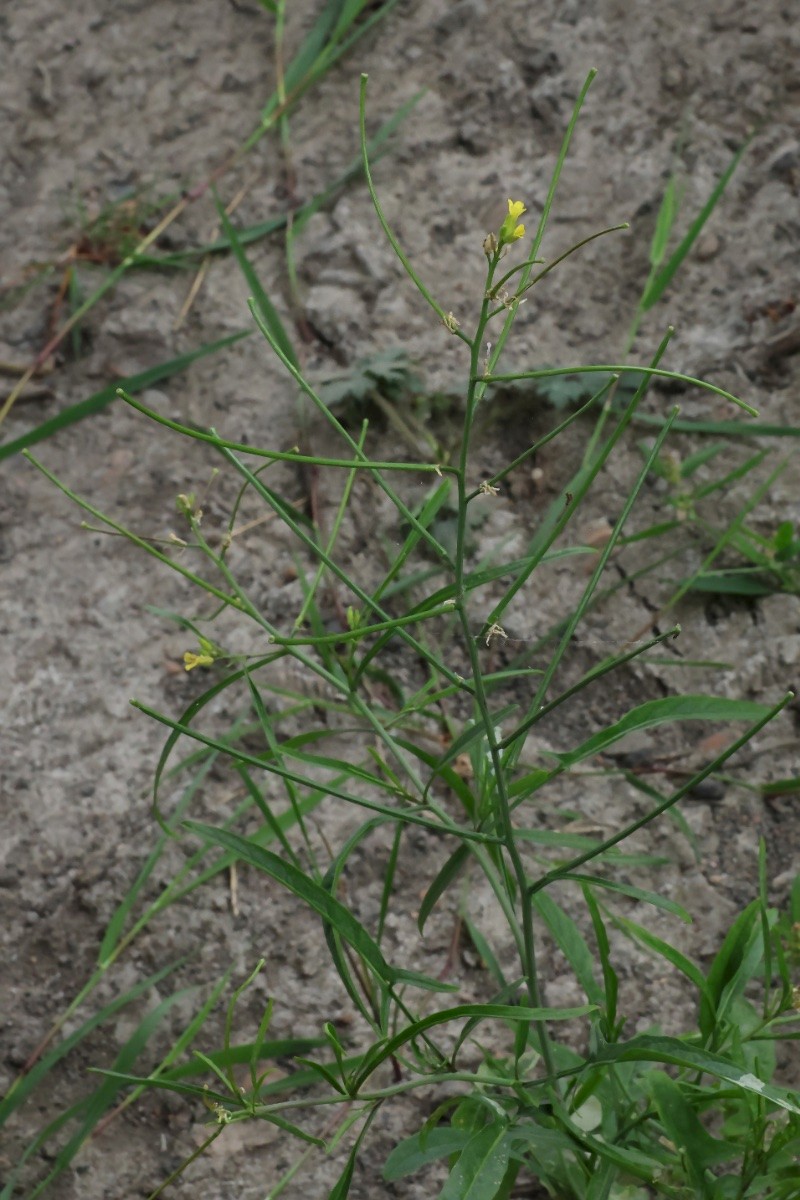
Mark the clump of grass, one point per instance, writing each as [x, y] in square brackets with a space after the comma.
[557, 1092]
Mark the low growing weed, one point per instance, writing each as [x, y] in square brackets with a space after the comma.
[374, 696]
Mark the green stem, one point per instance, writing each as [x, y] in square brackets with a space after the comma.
[514, 879]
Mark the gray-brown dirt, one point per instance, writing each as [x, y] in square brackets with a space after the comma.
[97, 99]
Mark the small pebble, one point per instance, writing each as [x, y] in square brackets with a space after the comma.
[708, 247]
[709, 790]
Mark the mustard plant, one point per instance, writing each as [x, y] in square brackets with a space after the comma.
[399, 718]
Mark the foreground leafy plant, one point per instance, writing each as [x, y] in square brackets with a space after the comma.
[553, 1091]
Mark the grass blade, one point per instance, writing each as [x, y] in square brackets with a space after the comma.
[265, 306]
[663, 277]
[99, 401]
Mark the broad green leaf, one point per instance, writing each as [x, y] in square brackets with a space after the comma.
[699, 1149]
[423, 1148]
[479, 1170]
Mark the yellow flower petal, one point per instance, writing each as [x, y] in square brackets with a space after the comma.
[509, 231]
[190, 661]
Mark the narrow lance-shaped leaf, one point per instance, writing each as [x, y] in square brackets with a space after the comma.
[661, 712]
[306, 889]
[673, 1050]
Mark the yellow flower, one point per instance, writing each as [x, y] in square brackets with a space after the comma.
[190, 661]
[510, 230]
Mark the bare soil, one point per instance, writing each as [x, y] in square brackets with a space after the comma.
[99, 99]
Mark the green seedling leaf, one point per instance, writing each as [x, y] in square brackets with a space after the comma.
[610, 977]
[781, 787]
[545, 1149]
[466, 739]
[341, 1188]
[446, 774]
[426, 982]
[665, 221]
[337, 953]
[783, 541]
[733, 967]
[485, 952]
[740, 429]
[529, 783]
[389, 371]
[412, 274]
[243, 1053]
[661, 712]
[741, 582]
[104, 1096]
[604, 369]
[479, 1169]
[253, 233]
[325, 1073]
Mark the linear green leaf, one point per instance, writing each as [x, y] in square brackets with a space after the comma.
[306, 889]
[101, 399]
[661, 712]
[681, 1054]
